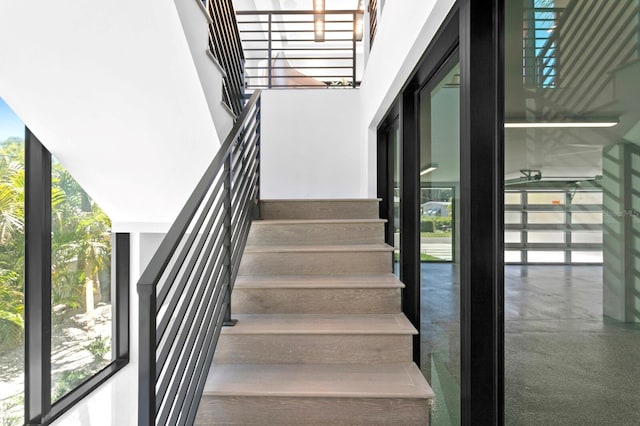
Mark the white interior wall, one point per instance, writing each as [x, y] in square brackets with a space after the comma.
[310, 144]
[195, 23]
[111, 89]
[405, 29]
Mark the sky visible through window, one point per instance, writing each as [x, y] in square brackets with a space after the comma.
[10, 124]
[545, 23]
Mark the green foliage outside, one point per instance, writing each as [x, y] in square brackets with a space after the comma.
[81, 252]
[435, 226]
[11, 244]
[81, 245]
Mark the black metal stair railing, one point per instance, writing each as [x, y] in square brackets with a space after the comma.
[226, 47]
[184, 292]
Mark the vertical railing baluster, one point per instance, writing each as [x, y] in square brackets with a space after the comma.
[228, 249]
[147, 348]
[258, 130]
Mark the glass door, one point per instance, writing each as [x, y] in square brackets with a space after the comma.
[439, 181]
[572, 221]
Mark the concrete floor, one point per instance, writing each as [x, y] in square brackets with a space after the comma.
[564, 363]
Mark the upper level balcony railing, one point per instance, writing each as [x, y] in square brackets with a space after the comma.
[301, 49]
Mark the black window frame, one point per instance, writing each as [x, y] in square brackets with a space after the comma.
[39, 409]
[476, 29]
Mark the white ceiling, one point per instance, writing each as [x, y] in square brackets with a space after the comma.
[293, 4]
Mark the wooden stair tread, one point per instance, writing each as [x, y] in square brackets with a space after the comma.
[318, 248]
[397, 380]
[318, 281]
[321, 324]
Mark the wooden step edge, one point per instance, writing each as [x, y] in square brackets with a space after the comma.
[396, 380]
[320, 200]
[319, 281]
[311, 284]
[318, 248]
[321, 324]
[265, 222]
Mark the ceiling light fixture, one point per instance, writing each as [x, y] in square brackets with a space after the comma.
[318, 25]
[429, 169]
[318, 20]
[559, 124]
[358, 26]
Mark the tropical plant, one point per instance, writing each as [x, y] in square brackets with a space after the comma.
[11, 244]
[81, 243]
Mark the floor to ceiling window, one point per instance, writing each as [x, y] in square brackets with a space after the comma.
[572, 179]
[439, 178]
[63, 284]
[11, 267]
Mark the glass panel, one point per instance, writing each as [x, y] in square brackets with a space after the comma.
[571, 85]
[594, 237]
[511, 198]
[587, 198]
[546, 217]
[512, 256]
[11, 267]
[439, 183]
[586, 256]
[512, 236]
[397, 172]
[436, 205]
[545, 198]
[535, 256]
[512, 217]
[81, 285]
[586, 217]
[545, 237]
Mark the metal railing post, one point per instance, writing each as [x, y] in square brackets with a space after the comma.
[269, 70]
[147, 364]
[258, 130]
[228, 249]
[353, 36]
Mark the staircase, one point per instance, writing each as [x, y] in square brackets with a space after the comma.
[320, 337]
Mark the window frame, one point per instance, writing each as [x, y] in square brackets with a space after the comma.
[38, 406]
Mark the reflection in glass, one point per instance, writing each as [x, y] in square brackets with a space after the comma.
[11, 268]
[81, 305]
[394, 134]
[572, 330]
[439, 211]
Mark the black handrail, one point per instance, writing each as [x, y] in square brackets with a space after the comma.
[279, 57]
[184, 292]
[226, 47]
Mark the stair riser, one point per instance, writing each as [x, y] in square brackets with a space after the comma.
[316, 263]
[352, 209]
[316, 233]
[288, 411]
[316, 301]
[319, 348]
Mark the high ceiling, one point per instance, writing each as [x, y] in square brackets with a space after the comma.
[293, 4]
